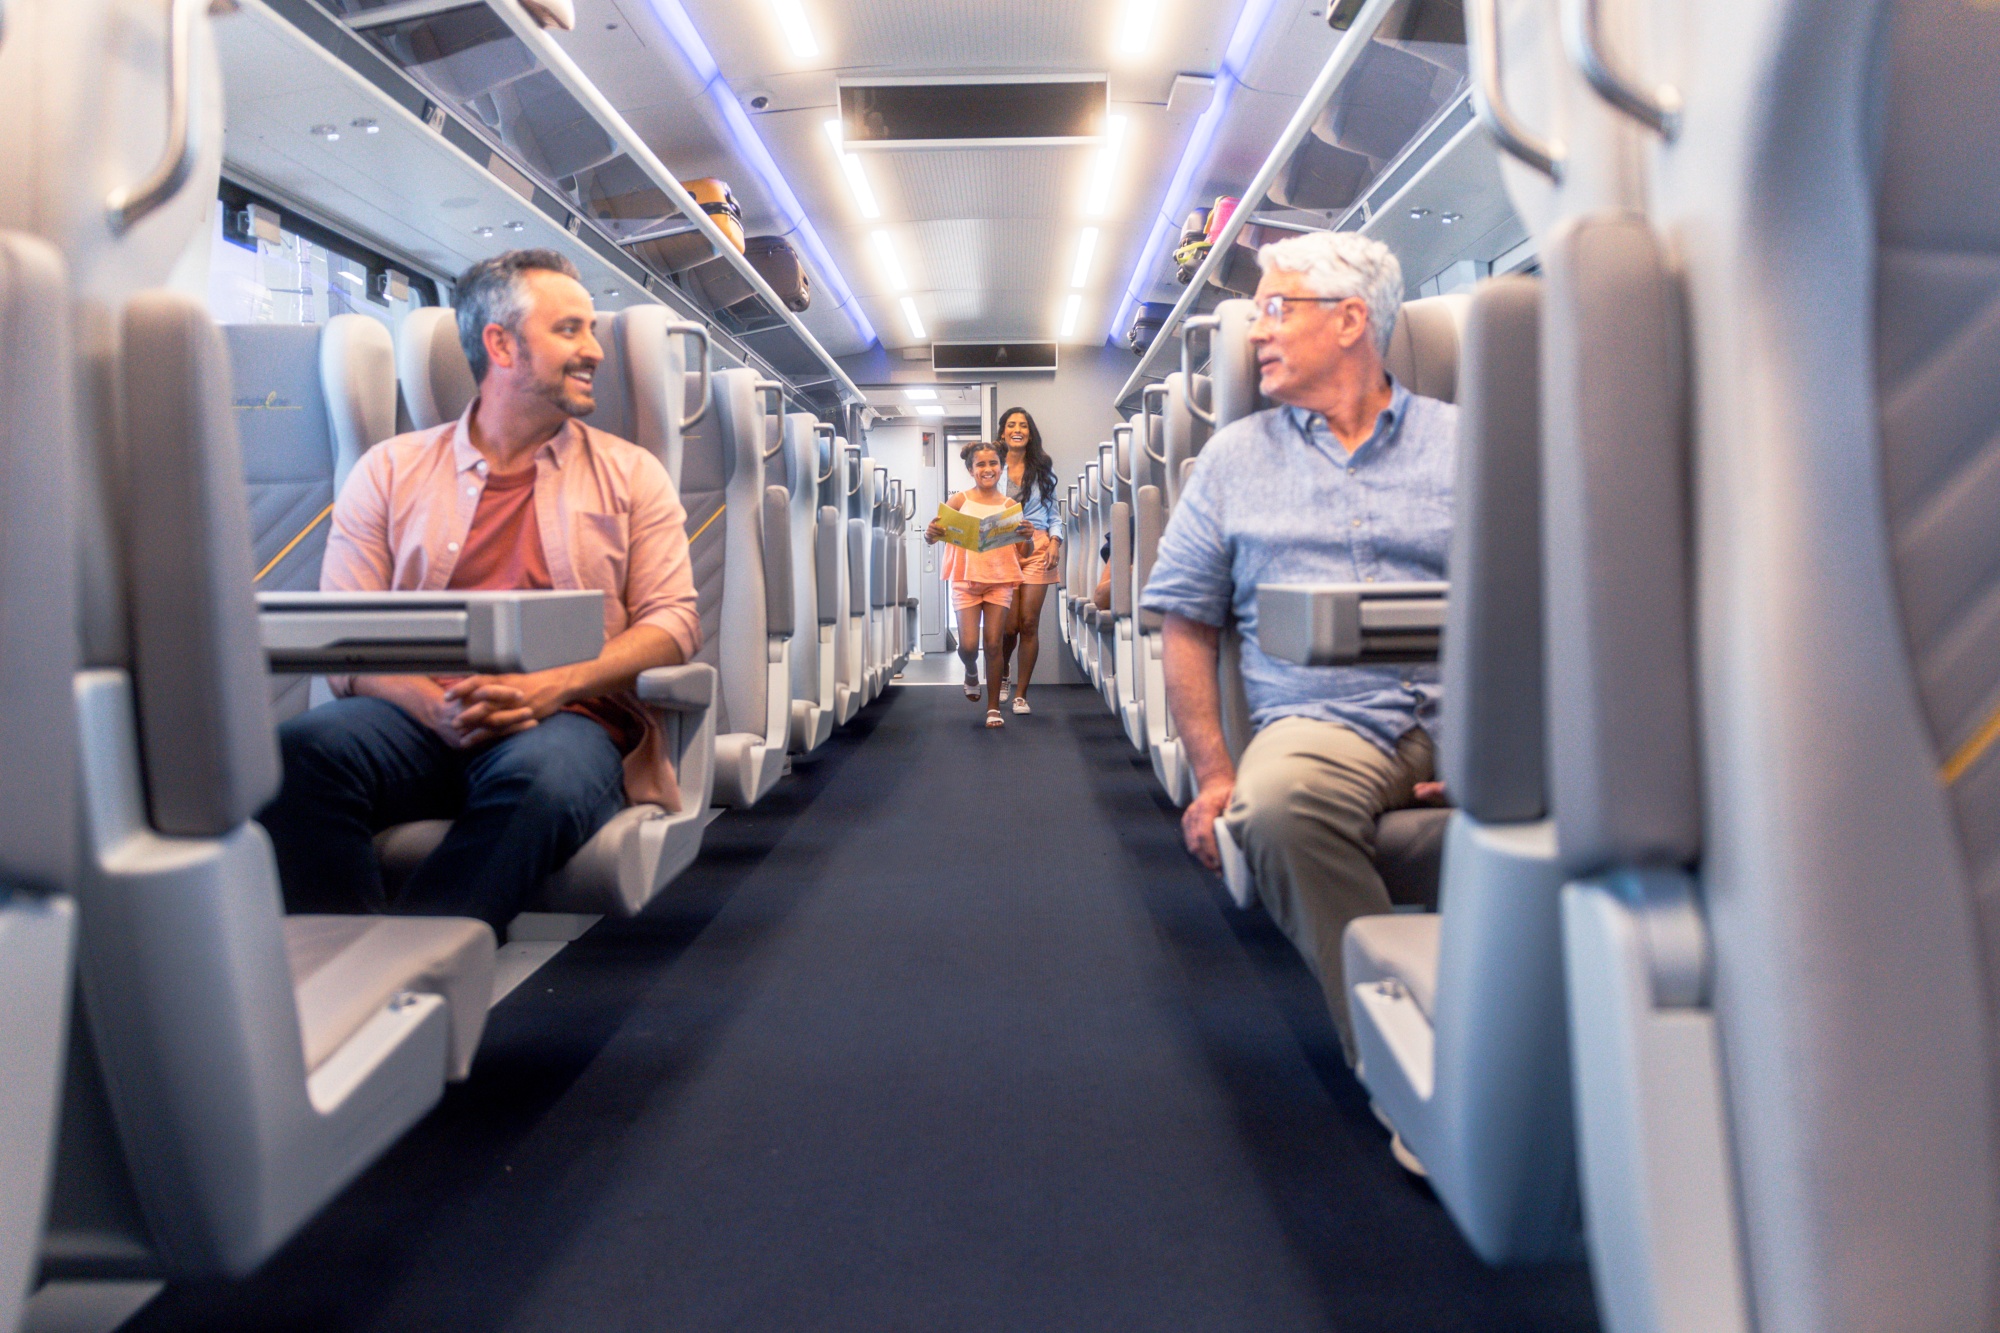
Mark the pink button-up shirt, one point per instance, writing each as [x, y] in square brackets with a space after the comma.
[609, 519]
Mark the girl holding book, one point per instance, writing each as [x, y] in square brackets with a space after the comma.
[982, 582]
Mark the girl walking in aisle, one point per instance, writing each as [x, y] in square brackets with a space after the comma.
[1031, 478]
[982, 582]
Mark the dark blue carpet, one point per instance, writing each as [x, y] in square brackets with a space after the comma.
[948, 1034]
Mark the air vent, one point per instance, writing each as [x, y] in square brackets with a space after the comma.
[994, 357]
[972, 112]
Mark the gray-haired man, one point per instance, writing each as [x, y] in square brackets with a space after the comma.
[1349, 482]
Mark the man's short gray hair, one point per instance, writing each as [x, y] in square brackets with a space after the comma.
[495, 291]
[1341, 264]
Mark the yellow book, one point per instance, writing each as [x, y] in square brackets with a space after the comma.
[980, 534]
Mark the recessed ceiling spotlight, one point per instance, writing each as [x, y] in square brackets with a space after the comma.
[365, 125]
[613, 291]
[482, 231]
[326, 132]
[517, 226]
[1416, 213]
[1448, 218]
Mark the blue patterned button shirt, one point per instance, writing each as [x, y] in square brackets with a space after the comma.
[1274, 498]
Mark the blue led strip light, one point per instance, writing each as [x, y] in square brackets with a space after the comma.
[1249, 25]
[752, 149]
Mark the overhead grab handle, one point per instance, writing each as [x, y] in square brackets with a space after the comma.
[1147, 412]
[1189, 327]
[777, 393]
[1583, 33]
[699, 332]
[1126, 430]
[855, 485]
[1547, 156]
[126, 206]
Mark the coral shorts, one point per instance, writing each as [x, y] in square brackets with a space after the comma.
[1038, 565]
[965, 596]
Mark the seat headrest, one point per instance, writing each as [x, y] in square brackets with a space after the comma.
[1233, 363]
[431, 367]
[357, 373]
[1423, 347]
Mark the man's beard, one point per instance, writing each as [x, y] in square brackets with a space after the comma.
[558, 394]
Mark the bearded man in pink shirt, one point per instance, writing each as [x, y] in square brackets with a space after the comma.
[516, 494]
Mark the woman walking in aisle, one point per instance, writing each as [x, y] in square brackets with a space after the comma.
[982, 582]
[1031, 479]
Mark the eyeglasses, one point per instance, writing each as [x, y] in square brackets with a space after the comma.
[1273, 307]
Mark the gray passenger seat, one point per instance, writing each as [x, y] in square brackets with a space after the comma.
[38, 760]
[813, 706]
[1458, 1014]
[643, 847]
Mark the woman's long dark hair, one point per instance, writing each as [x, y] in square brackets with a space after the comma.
[1036, 465]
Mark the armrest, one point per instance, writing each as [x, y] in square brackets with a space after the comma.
[679, 689]
[779, 610]
[1342, 624]
[305, 633]
[827, 541]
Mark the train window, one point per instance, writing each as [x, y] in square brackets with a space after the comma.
[267, 266]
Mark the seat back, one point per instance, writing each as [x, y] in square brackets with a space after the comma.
[802, 472]
[308, 402]
[724, 495]
[1838, 249]
[431, 368]
[1185, 432]
[38, 762]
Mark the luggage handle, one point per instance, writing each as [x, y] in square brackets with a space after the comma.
[699, 332]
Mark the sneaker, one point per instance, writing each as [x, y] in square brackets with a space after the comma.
[1405, 1158]
[1021, 705]
[972, 686]
[1006, 688]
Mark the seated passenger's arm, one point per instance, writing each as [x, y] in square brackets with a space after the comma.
[1189, 651]
[662, 627]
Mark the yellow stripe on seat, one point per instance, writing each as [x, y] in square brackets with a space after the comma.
[1968, 754]
[304, 532]
[704, 524]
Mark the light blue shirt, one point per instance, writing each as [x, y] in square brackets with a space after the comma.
[1274, 498]
[1043, 514]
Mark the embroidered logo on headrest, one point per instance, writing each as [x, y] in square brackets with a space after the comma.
[269, 403]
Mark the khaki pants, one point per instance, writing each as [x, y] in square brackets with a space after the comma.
[1307, 796]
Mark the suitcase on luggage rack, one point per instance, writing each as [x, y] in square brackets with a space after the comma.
[1147, 322]
[775, 259]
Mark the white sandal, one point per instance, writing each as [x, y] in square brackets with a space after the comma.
[993, 718]
[1021, 704]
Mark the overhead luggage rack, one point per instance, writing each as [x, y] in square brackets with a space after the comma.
[1385, 134]
[497, 82]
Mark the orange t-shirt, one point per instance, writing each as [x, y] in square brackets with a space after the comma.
[503, 551]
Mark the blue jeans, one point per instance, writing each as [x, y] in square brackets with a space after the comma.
[521, 806]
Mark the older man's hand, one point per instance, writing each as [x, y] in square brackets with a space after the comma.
[1198, 821]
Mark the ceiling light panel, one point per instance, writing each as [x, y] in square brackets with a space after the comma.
[913, 319]
[921, 395]
[1072, 309]
[930, 411]
[1086, 245]
[857, 176]
[1105, 174]
[797, 28]
[1136, 26]
[892, 266]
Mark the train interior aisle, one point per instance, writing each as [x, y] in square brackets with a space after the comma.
[874, 1067]
[505, 506]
